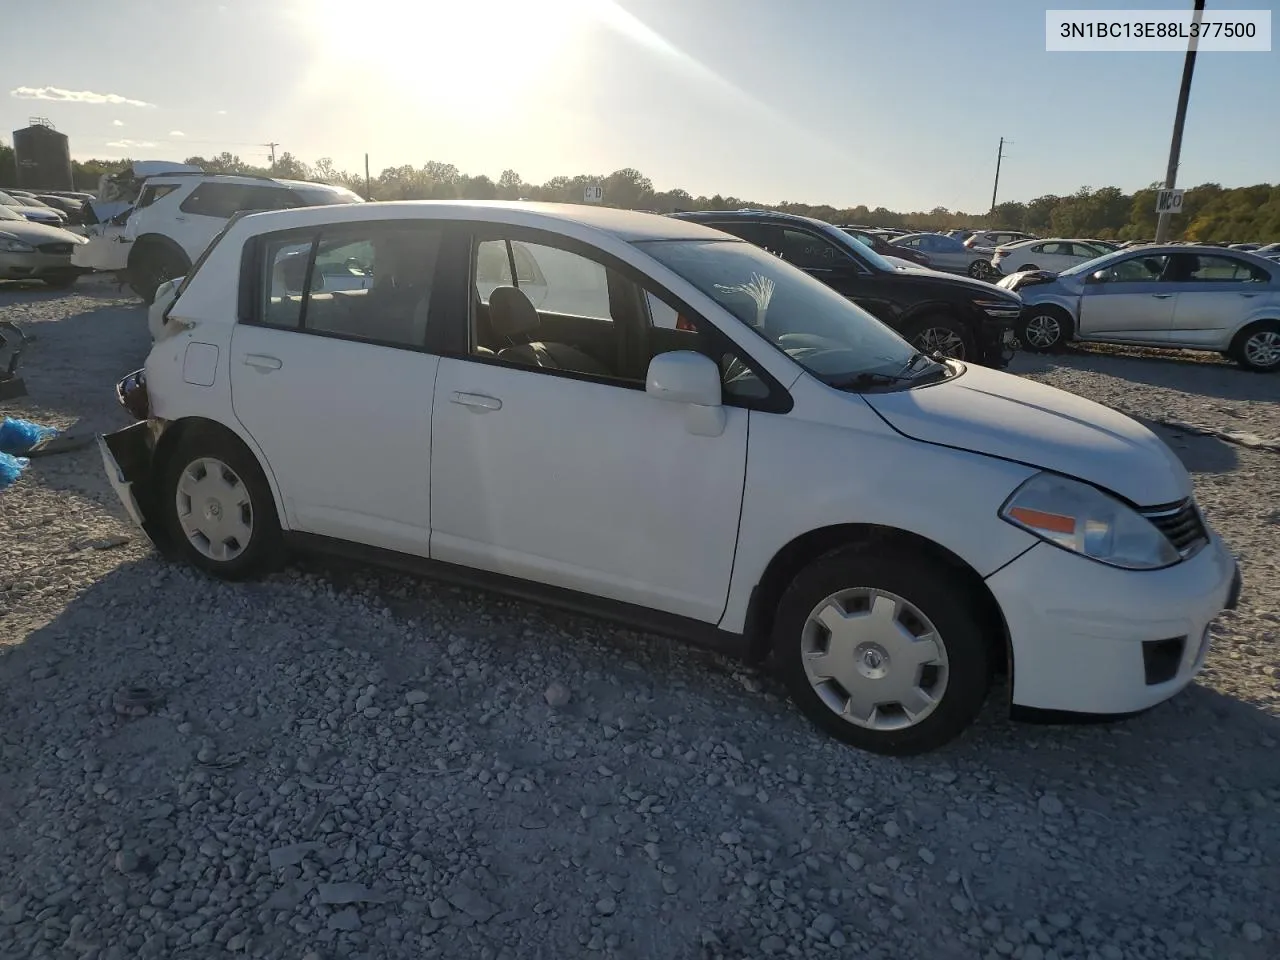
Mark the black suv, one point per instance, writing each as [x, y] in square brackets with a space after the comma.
[953, 315]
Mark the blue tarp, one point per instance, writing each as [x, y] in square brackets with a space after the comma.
[16, 437]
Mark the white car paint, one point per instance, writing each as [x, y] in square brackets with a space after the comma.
[615, 492]
[1055, 254]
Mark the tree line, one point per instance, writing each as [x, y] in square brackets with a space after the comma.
[1211, 212]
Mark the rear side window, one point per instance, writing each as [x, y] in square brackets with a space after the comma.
[367, 281]
[214, 199]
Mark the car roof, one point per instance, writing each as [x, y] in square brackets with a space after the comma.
[627, 225]
[775, 215]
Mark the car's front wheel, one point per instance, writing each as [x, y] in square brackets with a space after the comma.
[218, 507]
[980, 269]
[884, 651]
[1257, 347]
[152, 265]
[942, 334]
[1043, 329]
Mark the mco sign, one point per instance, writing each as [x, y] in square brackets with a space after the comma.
[593, 193]
[1169, 201]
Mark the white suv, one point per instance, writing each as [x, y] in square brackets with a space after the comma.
[177, 215]
[684, 432]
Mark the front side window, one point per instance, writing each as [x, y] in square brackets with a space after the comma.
[368, 281]
[808, 251]
[553, 280]
[817, 327]
[1136, 270]
[153, 192]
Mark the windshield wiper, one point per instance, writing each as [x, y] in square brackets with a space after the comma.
[915, 358]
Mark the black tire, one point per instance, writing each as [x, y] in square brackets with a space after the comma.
[1028, 266]
[938, 594]
[60, 281]
[265, 549]
[924, 332]
[152, 265]
[1037, 325]
[980, 269]
[1241, 351]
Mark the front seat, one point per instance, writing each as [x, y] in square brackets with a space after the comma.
[512, 315]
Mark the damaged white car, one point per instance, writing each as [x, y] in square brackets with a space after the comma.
[647, 419]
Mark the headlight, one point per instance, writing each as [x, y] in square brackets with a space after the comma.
[999, 308]
[15, 246]
[1084, 520]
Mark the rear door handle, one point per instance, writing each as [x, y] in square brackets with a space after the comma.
[476, 401]
[1162, 296]
[262, 362]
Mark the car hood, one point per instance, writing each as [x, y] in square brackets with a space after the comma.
[956, 283]
[29, 231]
[45, 213]
[1005, 416]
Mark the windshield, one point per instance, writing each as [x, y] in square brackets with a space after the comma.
[815, 326]
[7, 214]
[867, 253]
[319, 195]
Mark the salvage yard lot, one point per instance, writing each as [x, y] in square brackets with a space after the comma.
[400, 732]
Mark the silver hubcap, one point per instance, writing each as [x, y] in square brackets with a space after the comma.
[214, 509]
[1263, 348]
[941, 340]
[1043, 330]
[874, 659]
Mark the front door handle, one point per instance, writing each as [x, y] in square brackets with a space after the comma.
[262, 362]
[476, 401]
[1249, 295]
[1162, 296]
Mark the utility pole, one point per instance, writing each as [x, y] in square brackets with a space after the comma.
[273, 154]
[996, 185]
[1179, 118]
[368, 193]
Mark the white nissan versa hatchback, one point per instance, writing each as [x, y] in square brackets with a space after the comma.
[679, 430]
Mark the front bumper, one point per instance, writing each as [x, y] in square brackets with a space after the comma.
[1088, 638]
[128, 458]
[33, 266]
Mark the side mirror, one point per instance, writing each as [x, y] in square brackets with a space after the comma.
[683, 376]
[1098, 276]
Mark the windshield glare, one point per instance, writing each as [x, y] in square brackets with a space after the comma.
[804, 318]
[868, 254]
[318, 196]
[1097, 263]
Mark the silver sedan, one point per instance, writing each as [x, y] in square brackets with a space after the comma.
[948, 253]
[1198, 298]
[32, 251]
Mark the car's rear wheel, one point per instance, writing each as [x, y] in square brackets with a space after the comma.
[151, 266]
[1043, 329]
[980, 270]
[218, 507]
[884, 651]
[1257, 347]
[939, 333]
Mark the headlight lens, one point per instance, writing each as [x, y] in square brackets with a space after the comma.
[15, 246]
[1084, 520]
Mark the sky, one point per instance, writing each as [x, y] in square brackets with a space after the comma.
[895, 103]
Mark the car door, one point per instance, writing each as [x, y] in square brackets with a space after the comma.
[335, 386]
[1131, 300]
[571, 475]
[1215, 295]
[947, 253]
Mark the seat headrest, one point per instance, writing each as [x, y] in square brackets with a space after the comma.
[511, 313]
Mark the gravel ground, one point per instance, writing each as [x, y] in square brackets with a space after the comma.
[346, 763]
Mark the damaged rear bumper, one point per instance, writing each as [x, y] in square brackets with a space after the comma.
[128, 457]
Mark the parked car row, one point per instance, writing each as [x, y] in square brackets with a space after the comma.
[564, 397]
[30, 208]
[35, 251]
[954, 316]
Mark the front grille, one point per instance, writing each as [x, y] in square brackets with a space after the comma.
[59, 248]
[1182, 524]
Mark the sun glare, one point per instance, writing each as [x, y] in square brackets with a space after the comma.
[453, 55]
